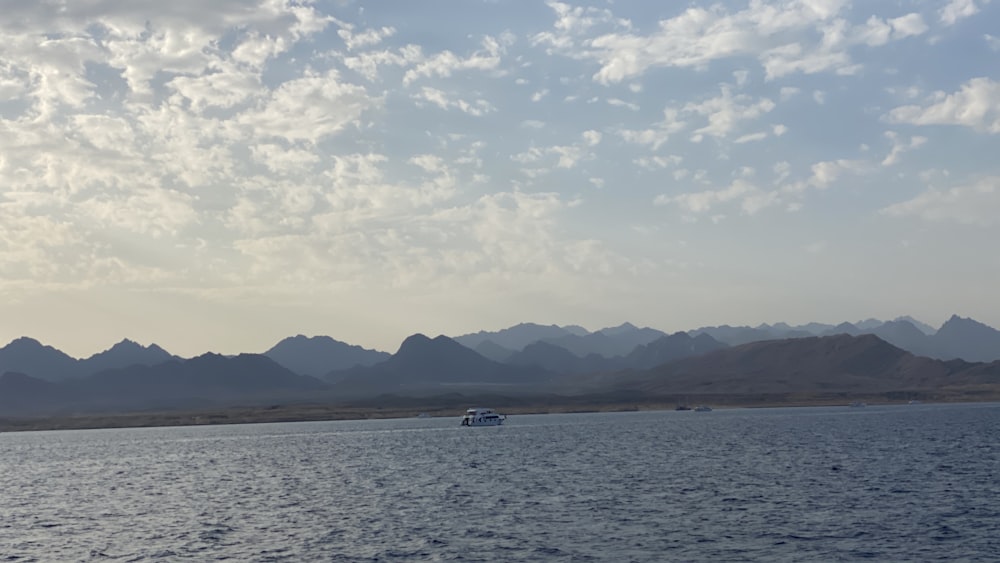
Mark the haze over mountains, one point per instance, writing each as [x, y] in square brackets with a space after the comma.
[871, 356]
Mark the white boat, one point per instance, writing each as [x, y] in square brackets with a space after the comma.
[482, 417]
[703, 408]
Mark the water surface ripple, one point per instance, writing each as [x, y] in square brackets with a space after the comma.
[899, 483]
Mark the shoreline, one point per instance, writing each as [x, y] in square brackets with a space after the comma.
[331, 412]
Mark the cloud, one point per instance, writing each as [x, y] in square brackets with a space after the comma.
[751, 137]
[445, 63]
[783, 36]
[973, 204]
[657, 135]
[975, 105]
[623, 104]
[658, 162]
[899, 146]
[568, 156]
[366, 38]
[726, 111]
[956, 10]
[308, 109]
[752, 199]
[444, 101]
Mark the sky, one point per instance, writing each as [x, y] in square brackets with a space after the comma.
[217, 176]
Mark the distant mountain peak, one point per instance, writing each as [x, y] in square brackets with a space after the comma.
[26, 342]
[417, 339]
[921, 326]
[955, 319]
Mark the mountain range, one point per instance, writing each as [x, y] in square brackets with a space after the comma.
[526, 360]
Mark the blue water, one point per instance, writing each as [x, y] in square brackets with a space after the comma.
[900, 483]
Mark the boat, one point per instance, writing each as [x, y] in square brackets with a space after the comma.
[682, 408]
[482, 417]
[858, 404]
[703, 408]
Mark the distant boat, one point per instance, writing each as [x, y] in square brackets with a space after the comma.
[682, 408]
[914, 402]
[703, 408]
[423, 415]
[858, 404]
[482, 417]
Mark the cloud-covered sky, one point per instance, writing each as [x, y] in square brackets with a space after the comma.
[220, 175]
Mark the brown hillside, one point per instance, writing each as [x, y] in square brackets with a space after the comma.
[841, 363]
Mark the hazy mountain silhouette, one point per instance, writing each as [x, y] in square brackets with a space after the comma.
[669, 348]
[210, 379]
[518, 336]
[736, 335]
[493, 351]
[30, 357]
[23, 395]
[607, 342]
[123, 354]
[37, 379]
[957, 338]
[423, 365]
[845, 328]
[922, 327]
[203, 380]
[559, 360]
[840, 363]
[903, 334]
[319, 355]
[967, 339]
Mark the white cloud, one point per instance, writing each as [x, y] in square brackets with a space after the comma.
[726, 112]
[752, 199]
[974, 204]
[658, 162]
[789, 92]
[957, 10]
[153, 212]
[308, 109]
[623, 104]
[282, 160]
[908, 26]
[975, 105]
[899, 146]
[366, 38]
[751, 137]
[445, 63]
[658, 135]
[225, 88]
[782, 36]
[823, 175]
[367, 64]
[444, 101]
[781, 171]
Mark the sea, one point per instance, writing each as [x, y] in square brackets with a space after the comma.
[881, 483]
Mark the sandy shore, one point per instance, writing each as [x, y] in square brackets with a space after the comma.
[453, 407]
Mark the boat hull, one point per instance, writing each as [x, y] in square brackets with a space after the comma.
[482, 417]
